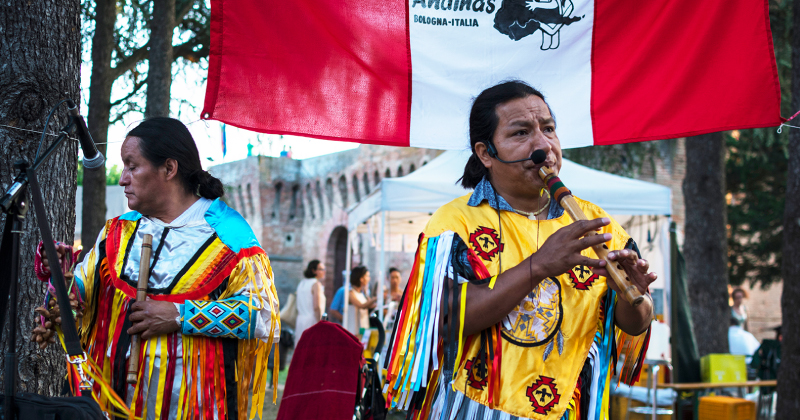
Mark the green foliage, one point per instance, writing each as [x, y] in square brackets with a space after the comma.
[756, 183]
[113, 174]
[756, 171]
[628, 159]
[80, 173]
[129, 66]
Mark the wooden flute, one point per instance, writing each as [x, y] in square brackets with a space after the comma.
[560, 193]
[141, 295]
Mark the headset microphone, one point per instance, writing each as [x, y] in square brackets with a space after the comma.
[538, 156]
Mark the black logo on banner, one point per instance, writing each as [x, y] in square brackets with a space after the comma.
[515, 18]
[520, 18]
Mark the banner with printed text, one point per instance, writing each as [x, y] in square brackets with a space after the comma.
[404, 72]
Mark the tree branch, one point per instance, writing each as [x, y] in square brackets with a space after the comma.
[129, 62]
[143, 52]
[136, 88]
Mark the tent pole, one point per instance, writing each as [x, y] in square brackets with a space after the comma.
[380, 275]
[346, 279]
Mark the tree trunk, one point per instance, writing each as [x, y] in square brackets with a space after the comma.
[705, 247]
[789, 373]
[39, 65]
[94, 182]
[159, 75]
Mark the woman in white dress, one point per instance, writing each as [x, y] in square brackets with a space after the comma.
[358, 310]
[310, 298]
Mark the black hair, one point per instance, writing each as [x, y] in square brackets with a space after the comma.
[483, 123]
[356, 274]
[311, 270]
[392, 270]
[162, 138]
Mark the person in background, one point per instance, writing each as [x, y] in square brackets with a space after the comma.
[391, 297]
[310, 298]
[739, 310]
[359, 303]
[394, 292]
[337, 307]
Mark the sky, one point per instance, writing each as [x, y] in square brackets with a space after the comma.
[188, 93]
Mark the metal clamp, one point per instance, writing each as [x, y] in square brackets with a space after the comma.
[85, 384]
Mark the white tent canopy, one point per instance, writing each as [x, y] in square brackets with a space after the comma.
[433, 185]
[405, 204]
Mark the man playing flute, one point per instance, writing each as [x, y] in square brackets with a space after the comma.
[507, 313]
[211, 315]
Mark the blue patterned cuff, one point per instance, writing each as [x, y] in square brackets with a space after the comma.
[229, 318]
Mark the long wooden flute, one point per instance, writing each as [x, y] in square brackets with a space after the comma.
[141, 295]
[560, 193]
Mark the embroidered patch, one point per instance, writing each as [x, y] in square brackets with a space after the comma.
[543, 395]
[582, 277]
[535, 321]
[476, 369]
[486, 243]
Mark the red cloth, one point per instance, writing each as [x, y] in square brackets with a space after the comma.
[343, 69]
[324, 375]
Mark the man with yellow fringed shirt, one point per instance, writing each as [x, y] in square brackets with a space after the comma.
[507, 313]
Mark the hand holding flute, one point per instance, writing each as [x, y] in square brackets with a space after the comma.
[149, 318]
[614, 262]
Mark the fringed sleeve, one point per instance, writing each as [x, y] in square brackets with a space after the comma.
[251, 283]
[428, 338]
[634, 348]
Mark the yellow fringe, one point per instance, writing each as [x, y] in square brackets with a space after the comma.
[252, 355]
[462, 313]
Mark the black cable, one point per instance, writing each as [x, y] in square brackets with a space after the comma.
[44, 130]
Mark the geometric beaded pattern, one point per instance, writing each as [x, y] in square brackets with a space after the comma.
[222, 318]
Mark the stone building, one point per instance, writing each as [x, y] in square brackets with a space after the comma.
[297, 208]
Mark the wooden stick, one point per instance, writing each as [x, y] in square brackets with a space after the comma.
[141, 295]
[615, 270]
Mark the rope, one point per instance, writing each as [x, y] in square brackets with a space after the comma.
[780, 128]
[51, 134]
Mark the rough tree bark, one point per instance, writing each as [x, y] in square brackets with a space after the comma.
[159, 76]
[705, 246]
[789, 374]
[39, 65]
[93, 217]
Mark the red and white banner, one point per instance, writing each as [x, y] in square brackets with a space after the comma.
[404, 72]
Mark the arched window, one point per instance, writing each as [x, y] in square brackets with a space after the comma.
[343, 190]
[356, 192]
[310, 198]
[320, 201]
[400, 171]
[377, 177]
[276, 205]
[296, 202]
[366, 184]
[387, 174]
[329, 194]
[412, 168]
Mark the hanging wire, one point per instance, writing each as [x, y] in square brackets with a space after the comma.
[44, 130]
[53, 134]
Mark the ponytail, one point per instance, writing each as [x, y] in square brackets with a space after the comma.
[206, 185]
